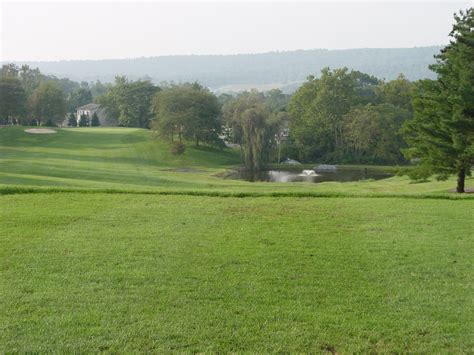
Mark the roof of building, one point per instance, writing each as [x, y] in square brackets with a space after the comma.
[90, 106]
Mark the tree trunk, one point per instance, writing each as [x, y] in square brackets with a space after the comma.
[279, 152]
[461, 178]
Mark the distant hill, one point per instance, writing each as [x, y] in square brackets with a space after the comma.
[243, 71]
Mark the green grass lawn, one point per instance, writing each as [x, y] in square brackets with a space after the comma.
[110, 243]
[128, 159]
[158, 273]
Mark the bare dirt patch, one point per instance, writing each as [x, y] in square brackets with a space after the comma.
[40, 130]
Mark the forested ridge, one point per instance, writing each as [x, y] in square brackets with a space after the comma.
[287, 68]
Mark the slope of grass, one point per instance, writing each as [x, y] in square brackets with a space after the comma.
[97, 158]
[123, 273]
[147, 266]
[130, 159]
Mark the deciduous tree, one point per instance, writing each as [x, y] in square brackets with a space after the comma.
[130, 102]
[189, 111]
[253, 126]
[78, 97]
[47, 103]
[12, 99]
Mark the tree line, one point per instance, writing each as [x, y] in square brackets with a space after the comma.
[28, 97]
[349, 117]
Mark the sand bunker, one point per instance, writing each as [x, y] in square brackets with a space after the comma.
[40, 130]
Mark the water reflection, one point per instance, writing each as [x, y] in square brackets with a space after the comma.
[340, 175]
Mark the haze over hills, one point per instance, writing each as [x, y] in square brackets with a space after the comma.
[285, 70]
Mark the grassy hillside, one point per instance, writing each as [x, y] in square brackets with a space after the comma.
[100, 157]
[131, 160]
[113, 252]
[146, 273]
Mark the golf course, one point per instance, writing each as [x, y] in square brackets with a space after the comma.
[110, 243]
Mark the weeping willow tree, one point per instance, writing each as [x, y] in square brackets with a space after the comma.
[253, 130]
[253, 126]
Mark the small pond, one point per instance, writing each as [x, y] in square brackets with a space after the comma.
[340, 174]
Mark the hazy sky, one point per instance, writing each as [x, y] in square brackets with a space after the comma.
[91, 30]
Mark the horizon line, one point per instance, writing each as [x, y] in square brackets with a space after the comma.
[15, 61]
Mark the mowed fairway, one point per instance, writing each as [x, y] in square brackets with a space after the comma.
[110, 243]
[130, 159]
[102, 158]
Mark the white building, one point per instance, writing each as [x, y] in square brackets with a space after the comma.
[87, 110]
[90, 109]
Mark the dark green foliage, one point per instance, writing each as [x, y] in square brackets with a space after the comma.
[30, 79]
[317, 110]
[41, 92]
[177, 148]
[95, 120]
[12, 99]
[84, 121]
[397, 92]
[365, 88]
[187, 111]
[47, 103]
[224, 98]
[253, 126]
[129, 102]
[72, 120]
[441, 134]
[98, 89]
[372, 134]
[50, 123]
[78, 98]
[349, 117]
[277, 100]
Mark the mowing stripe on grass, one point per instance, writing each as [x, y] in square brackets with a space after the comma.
[12, 190]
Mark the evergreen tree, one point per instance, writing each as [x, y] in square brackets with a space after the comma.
[95, 120]
[84, 121]
[441, 133]
[72, 120]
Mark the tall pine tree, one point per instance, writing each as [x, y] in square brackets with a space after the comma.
[441, 133]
